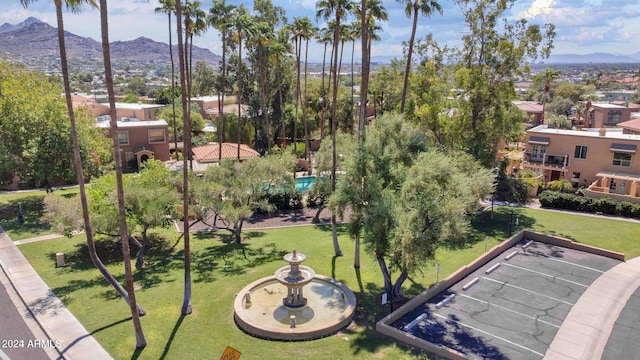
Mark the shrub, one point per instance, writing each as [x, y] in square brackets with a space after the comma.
[606, 205]
[282, 199]
[562, 185]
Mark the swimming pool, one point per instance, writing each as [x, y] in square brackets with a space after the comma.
[303, 183]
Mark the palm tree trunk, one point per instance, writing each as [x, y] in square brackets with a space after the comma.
[364, 71]
[304, 112]
[186, 304]
[353, 50]
[221, 98]
[334, 128]
[279, 79]
[323, 93]
[407, 70]
[173, 99]
[124, 234]
[295, 121]
[239, 99]
[79, 168]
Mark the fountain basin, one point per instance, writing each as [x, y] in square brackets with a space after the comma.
[330, 307]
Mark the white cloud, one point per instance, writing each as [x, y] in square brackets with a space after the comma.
[538, 7]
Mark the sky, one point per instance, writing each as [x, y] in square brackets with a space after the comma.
[582, 26]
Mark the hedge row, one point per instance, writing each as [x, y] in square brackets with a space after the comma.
[605, 205]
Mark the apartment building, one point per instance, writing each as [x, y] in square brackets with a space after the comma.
[141, 141]
[603, 160]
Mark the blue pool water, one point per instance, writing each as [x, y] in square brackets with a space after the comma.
[303, 184]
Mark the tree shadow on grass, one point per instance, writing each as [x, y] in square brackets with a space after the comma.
[232, 259]
[167, 346]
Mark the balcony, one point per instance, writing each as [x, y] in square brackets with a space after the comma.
[547, 160]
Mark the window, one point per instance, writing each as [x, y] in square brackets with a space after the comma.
[612, 185]
[616, 116]
[156, 136]
[123, 138]
[621, 159]
[130, 160]
[575, 175]
[610, 116]
[581, 152]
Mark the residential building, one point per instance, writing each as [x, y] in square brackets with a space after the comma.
[533, 109]
[602, 160]
[207, 155]
[609, 115]
[141, 141]
[101, 111]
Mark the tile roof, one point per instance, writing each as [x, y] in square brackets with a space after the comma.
[209, 152]
[633, 124]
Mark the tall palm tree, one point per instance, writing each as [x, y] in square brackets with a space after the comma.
[302, 30]
[280, 47]
[336, 10]
[415, 7]
[75, 6]
[124, 234]
[168, 7]
[261, 38]
[548, 76]
[370, 11]
[324, 36]
[353, 33]
[186, 303]
[220, 18]
[243, 27]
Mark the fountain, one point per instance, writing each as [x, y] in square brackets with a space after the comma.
[276, 307]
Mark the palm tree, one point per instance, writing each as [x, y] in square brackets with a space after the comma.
[168, 7]
[186, 303]
[336, 9]
[280, 47]
[302, 30]
[108, 75]
[243, 27]
[261, 39]
[324, 36]
[353, 32]
[74, 6]
[548, 76]
[220, 18]
[426, 7]
[370, 10]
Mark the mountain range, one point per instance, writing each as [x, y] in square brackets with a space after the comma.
[34, 38]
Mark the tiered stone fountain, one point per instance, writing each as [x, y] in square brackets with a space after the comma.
[276, 307]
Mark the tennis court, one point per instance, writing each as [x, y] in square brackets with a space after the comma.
[510, 307]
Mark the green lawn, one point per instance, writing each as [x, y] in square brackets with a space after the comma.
[220, 270]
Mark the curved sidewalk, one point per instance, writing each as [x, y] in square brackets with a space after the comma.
[54, 318]
[586, 329]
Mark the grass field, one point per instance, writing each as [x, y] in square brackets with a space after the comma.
[221, 269]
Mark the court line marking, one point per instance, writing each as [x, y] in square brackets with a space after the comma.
[4, 356]
[510, 310]
[490, 334]
[527, 290]
[578, 265]
[547, 275]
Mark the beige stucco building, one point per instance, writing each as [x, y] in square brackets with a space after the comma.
[604, 160]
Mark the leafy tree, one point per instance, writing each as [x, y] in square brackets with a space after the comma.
[137, 85]
[150, 202]
[385, 88]
[108, 75]
[234, 189]
[559, 106]
[559, 122]
[488, 65]
[197, 121]
[130, 97]
[408, 199]
[203, 79]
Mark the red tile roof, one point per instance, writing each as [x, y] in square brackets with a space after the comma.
[633, 124]
[209, 152]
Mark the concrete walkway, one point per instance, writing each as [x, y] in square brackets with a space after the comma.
[586, 329]
[54, 318]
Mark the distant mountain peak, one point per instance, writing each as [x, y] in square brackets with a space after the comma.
[30, 20]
